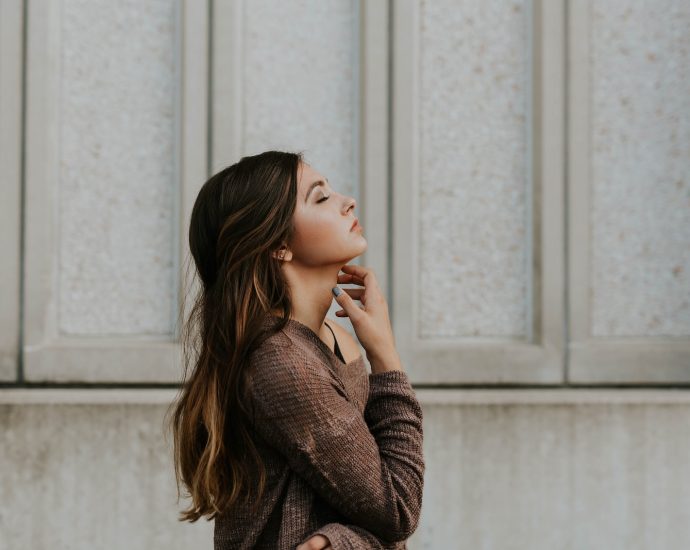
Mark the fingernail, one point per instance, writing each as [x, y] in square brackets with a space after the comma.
[336, 291]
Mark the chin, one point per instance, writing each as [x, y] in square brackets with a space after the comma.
[362, 248]
[351, 250]
[361, 244]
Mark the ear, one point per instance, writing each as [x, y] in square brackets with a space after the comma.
[283, 253]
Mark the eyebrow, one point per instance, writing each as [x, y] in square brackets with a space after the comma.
[316, 183]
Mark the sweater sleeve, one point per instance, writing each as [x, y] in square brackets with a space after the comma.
[352, 537]
[369, 467]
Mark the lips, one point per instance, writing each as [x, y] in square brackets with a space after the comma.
[354, 224]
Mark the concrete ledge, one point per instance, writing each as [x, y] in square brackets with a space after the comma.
[425, 396]
[90, 396]
[553, 396]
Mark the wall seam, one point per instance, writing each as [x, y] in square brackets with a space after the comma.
[389, 161]
[566, 201]
[22, 198]
[209, 90]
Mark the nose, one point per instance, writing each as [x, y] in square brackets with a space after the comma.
[352, 204]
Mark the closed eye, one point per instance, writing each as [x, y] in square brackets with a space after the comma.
[323, 199]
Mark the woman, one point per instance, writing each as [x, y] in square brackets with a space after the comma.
[280, 438]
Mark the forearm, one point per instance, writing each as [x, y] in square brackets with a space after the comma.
[352, 537]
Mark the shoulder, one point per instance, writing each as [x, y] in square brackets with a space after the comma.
[284, 377]
[348, 345]
[284, 357]
[280, 348]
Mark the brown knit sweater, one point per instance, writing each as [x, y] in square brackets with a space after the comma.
[342, 450]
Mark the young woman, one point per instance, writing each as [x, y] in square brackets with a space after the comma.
[280, 434]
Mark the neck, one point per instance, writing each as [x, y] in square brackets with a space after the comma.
[311, 293]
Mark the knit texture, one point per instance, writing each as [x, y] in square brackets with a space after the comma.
[342, 450]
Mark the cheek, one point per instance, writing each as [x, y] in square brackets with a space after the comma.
[316, 231]
[319, 226]
[319, 238]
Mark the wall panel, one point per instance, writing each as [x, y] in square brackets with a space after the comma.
[11, 102]
[477, 186]
[111, 153]
[630, 192]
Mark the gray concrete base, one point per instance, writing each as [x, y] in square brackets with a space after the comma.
[90, 476]
[505, 470]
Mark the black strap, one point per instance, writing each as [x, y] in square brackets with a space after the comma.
[337, 349]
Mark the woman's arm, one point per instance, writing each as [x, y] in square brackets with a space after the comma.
[368, 467]
[349, 537]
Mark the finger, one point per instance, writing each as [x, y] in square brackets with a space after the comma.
[364, 273]
[349, 278]
[356, 270]
[347, 303]
[355, 293]
[343, 313]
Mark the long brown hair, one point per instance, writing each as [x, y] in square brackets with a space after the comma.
[240, 217]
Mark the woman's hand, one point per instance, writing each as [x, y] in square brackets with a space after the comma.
[370, 321]
[317, 542]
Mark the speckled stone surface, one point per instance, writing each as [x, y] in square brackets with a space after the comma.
[90, 476]
[116, 186]
[640, 168]
[300, 83]
[474, 189]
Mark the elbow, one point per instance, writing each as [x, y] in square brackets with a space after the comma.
[402, 521]
[396, 515]
[406, 524]
[397, 533]
[394, 522]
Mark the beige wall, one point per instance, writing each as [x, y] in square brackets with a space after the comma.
[521, 169]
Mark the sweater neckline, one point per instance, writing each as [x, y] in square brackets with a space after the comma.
[308, 333]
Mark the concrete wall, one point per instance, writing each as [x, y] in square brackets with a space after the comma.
[521, 171]
[84, 474]
[506, 470]
[556, 469]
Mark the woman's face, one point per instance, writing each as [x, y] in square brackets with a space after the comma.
[323, 221]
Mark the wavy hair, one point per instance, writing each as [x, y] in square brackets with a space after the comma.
[240, 217]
